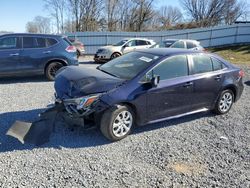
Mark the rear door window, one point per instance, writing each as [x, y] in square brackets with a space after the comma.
[51, 42]
[40, 42]
[29, 42]
[217, 64]
[172, 67]
[190, 45]
[141, 43]
[8, 43]
[201, 64]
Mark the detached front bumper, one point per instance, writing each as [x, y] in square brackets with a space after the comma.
[39, 131]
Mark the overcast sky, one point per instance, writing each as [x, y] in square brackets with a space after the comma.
[14, 14]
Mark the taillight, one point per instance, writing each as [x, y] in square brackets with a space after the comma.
[81, 46]
[241, 73]
[71, 49]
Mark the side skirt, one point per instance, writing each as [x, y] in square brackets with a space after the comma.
[180, 115]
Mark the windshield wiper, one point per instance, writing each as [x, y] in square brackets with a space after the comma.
[108, 72]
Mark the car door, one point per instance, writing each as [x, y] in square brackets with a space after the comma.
[208, 79]
[174, 93]
[33, 53]
[129, 46]
[9, 54]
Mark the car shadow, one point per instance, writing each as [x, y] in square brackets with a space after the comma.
[66, 137]
[23, 79]
[247, 83]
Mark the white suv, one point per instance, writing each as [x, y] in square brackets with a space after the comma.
[106, 53]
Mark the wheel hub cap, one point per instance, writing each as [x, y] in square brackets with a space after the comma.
[122, 123]
[226, 102]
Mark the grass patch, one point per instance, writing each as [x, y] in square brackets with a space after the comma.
[234, 54]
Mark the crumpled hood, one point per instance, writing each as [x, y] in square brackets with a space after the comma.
[72, 82]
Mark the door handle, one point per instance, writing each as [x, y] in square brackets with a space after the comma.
[188, 84]
[218, 77]
[46, 52]
[16, 54]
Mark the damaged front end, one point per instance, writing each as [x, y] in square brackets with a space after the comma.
[81, 111]
[78, 102]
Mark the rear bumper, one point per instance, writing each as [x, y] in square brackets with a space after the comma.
[239, 91]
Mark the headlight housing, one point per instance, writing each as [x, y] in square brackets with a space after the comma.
[80, 105]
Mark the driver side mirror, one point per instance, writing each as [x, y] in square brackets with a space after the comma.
[155, 81]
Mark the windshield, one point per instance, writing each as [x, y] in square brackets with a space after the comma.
[128, 65]
[120, 43]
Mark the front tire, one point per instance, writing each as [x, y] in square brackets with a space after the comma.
[51, 69]
[225, 102]
[115, 55]
[117, 122]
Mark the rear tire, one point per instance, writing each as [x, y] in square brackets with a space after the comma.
[78, 54]
[51, 69]
[117, 122]
[224, 102]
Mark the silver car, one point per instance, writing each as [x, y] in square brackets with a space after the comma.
[179, 43]
[124, 46]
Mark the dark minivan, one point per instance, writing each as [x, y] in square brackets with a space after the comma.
[29, 54]
[148, 86]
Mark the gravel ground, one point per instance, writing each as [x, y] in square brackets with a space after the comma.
[201, 150]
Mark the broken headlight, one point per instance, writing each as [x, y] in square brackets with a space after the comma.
[81, 105]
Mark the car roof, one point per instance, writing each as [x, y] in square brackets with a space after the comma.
[168, 51]
[137, 39]
[190, 40]
[31, 34]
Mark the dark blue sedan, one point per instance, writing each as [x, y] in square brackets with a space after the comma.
[148, 86]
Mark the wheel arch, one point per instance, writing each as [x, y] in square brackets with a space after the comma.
[134, 109]
[233, 89]
[116, 52]
[64, 63]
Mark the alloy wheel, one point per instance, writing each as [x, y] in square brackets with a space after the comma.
[226, 102]
[122, 123]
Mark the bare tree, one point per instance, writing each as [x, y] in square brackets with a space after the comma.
[144, 13]
[57, 9]
[212, 12]
[234, 10]
[135, 14]
[39, 25]
[112, 13]
[86, 14]
[168, 16]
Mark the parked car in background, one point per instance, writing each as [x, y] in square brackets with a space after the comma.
[29, 54]
[107, 53]
[80, 50]
[179, 43]
[147, 86]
